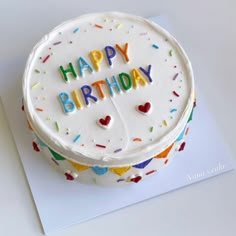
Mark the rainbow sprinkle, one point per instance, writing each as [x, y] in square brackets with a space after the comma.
[176, 94]
[57, 126]
[101, 146]
[77, 138]
[118, 150]
[165, 122]
[151, 129]
[137, 140]
[37, 71]
[119, 26]
[173, 110]
[171, 53]
[155, 46]
[39, 109]
[56, 43]
[35, 85]
[98, 26]
[175, 76]
[46, 58]
[76, 30]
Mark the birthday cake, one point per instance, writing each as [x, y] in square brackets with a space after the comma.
[108, 97]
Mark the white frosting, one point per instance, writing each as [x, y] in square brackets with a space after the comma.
[155, 130]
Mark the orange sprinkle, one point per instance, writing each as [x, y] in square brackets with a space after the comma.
[98, 26]
[39, 109]
[137, 140]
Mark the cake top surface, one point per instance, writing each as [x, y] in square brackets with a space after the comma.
[108, 89]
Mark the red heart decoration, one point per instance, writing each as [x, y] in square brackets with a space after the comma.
[144, 108]
[69, 176]
[136, 179]
[105, 121]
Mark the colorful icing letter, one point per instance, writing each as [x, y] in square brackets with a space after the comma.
[124, 51]
[126, 81]
[70, 70]
[76, 99]
[67, 104]
[98, 86]
[111, 85]
[87, 92]
[96, 57]
[110, 53]
[147, 73]
[83, 65]
[137, 78]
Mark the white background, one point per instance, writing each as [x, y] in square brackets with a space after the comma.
[207, 31]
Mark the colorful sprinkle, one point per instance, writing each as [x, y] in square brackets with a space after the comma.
[76, 30]
[46, 58]
[57, 126]
[39, 109]
[98, 26]
[118, 150]
[101, 146]
[171, 53]
[155, 46]
[37, 71]
[173, 110]
[151, 129]
[119, 26]
[137, 140]
[35, 85]
[165, 122]
[119, 180]
[55, 161]
[175, 76]
[150, 172]
[56, 43]
[175, 93]
[186, 132]
[105, 20]
[166, 161]
[77, 138]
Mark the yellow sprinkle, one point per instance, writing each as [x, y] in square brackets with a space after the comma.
[105, 20]
[119, 26]
[165, 122]
[35, 85]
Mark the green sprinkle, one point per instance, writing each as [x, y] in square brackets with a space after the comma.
[171, 53]
[151, 129]
[155, 46]
[35, 85]
[57, 126]
[37, 71]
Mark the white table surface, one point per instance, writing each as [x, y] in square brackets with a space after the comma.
[207, 31]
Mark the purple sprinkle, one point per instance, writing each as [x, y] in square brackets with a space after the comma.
[119, 180]
[175, 76]
[118, 150]
[57, 43]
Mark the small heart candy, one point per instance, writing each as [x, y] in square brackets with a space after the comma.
[136, 179]
[144, 108]
[105, 123]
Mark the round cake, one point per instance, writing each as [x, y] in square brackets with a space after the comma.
[108, 97]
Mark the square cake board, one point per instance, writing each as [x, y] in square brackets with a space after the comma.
[55, 198]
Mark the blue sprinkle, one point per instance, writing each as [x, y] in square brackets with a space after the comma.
[155, 46]
[76, 30]
[173, 110]
[77, 138]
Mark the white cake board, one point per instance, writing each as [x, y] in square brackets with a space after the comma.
[55, 198]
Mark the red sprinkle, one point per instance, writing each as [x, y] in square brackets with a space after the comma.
[176, 94]
[46, 58]
[98, 26]
[39, 109]
[166, 161]
[151, 172]
[101, 146]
